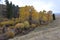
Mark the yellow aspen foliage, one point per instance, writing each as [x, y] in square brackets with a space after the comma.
[49, 16]
[25, 12]
[35, 15]
[22, 13]
[45, 18]
[42, 15]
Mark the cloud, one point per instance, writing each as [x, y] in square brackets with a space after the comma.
[42, 6]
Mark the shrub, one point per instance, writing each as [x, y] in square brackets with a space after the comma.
[17, 21]
[26, 24]
[33, 25]
[7, 23]
[3, 23]
[11, 22]
[19, 25]
[11, 27]
[10, 34]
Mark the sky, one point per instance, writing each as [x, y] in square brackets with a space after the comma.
[39, 5]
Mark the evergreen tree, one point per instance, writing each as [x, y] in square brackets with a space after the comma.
[13, 10]
[9, 9]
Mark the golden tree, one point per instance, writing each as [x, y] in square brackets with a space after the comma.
[24, 13]
[49, 16]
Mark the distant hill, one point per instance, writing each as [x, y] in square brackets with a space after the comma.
[57, 14]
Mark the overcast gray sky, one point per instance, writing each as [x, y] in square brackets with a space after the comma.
[39, 5]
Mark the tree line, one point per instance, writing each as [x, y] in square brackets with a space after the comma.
[12, 10]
